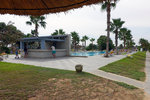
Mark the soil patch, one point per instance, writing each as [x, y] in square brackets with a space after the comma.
[85, 89]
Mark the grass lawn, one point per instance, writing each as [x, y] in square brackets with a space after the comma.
[129, 67]
[26, 82]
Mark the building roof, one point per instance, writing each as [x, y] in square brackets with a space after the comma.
[56, 38]
[41, 7]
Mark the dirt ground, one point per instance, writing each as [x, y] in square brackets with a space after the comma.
[147, 96]
[85, 89]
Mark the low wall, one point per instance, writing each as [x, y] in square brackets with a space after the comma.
[39, 53]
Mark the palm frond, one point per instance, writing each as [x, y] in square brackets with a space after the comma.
[104, 6]
[29, 23]
[43, 24]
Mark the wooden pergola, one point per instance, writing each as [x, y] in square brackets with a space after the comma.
[41, 7]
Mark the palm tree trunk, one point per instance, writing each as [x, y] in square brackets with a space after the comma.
[75, 46]
[36, 30]
[92, 46]
[108, 28]
[85, 46]
[124, 43]
[116, 41]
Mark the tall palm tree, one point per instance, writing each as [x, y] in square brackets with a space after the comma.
[115, 28]
[124, 35]
[92, 40]
[59, 32]
[75, 39]
[37, 21]
[85, 38]
[107, 5]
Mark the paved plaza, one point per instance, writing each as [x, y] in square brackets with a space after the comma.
[90, 63]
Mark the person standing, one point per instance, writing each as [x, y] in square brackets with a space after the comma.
[17, 52]
[25, 51]
[53, 51]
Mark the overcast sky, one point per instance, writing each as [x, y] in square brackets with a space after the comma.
[91, 21]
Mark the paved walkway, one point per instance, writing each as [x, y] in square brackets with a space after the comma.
[91, 65]
[147, 70]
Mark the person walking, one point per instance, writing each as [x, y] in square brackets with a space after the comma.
[53, 51]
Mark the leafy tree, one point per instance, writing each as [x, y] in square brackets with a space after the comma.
[59, 32]
[91, 47]
[124, 35]
[107, 5]
[28, 35]
[102, 43]
[75, 39]
[9, 34]
[37, 21]
[92, 40]
[115, 28]
[144, 44]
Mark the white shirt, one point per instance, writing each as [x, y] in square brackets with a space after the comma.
[53, 48]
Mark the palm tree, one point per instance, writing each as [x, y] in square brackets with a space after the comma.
[82, 40]
[144, 44]
[115, 28]
[75, 39]
[59, 32]
[92, 40]
[37, 21]
[107, 5]
[124, 35]
[85, 38]
[130, 43]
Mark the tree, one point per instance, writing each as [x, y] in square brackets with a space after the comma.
[120, 46]
[115, 28]
[28, 35]
[102, 43]
[144, 44]
[85, 38]
[92, 40]
[75, 39]
[91, 47]
[9, 35]
[130, 42]
[124, 35]
[59, 32]
[37, 21]
[82, 40]
[107, 5]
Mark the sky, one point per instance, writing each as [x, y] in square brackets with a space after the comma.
[91, 21]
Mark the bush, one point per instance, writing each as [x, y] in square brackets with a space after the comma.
[90, 47]
[4, 49]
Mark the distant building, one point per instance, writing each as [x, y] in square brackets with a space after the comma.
[40, 47]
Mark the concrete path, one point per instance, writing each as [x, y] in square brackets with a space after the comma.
[119, 78]
[147, 70]
[91, 65]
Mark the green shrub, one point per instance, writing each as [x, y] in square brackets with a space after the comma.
[5, 49]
